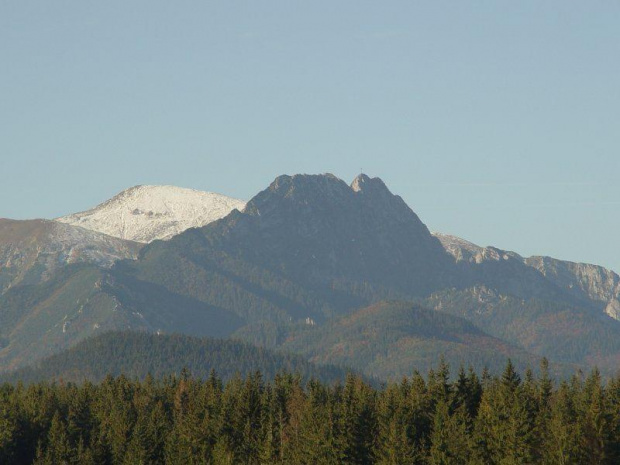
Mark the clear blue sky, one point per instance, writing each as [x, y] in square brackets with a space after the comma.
[496, 121]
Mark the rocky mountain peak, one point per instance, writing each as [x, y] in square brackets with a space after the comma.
[320, 226]
[308, 186]
[319, 192]
[364, 183]
[307, 193]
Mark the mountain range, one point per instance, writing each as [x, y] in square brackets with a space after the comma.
[341, 274]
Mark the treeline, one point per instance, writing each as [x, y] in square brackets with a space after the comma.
[505, 419]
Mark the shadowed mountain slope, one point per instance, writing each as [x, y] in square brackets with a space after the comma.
[84, 300]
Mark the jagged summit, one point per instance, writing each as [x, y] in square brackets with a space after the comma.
[363, 183]
[328, 188]
[326, 181]
[145, 213]
[359, 181]
[320, 228]
[308, 185]
[312, 195]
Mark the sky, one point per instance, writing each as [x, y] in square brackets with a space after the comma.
[497, 121]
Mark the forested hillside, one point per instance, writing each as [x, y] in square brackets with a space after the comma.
[389, 339]
[84, 300]
[565, 332]
[508, 419]
[139, 354]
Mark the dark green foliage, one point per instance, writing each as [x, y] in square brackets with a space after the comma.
[138, 354]
[511, 419]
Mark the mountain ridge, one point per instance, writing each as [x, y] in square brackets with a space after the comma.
[31, 251]
[582, 280]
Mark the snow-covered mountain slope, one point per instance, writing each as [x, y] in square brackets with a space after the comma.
[32, 250]
[581, 280]
[147, 213]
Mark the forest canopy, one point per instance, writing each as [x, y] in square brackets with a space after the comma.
[433, 419]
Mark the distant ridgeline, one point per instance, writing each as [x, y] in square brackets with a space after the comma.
[511, 418]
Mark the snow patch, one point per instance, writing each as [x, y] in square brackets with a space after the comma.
[148, 213]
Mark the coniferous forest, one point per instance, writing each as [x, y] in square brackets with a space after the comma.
[439, 418]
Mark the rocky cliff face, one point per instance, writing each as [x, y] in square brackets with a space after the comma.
[320, 229]
[32, 250]
[582, 281]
